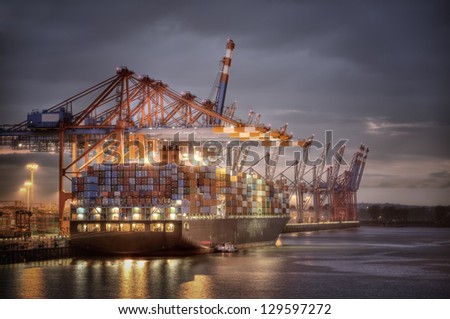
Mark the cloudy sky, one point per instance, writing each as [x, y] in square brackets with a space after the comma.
[375, 72]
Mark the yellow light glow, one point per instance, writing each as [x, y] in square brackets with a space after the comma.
[127, 263]
[198, 156]
[31, 283]
[200, 287]
[32, 166]
[140, 264]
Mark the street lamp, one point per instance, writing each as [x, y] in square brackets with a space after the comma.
[32, 167]
[28, 185]
[23, 190]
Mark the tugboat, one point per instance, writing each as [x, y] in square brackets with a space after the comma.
[226, 248]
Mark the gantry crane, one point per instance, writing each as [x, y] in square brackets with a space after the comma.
[330, 195]
[345, 187]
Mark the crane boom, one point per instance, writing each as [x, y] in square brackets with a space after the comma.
[226, 63]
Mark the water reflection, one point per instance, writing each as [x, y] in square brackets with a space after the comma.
[199, 288]
[368, 263]
[133, 279]
[136, 278]
[79, 272]
[31, 283]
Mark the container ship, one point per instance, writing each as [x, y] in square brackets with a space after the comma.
[143, 210]
[165, 197]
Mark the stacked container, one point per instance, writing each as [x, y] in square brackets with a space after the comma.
[206, 190]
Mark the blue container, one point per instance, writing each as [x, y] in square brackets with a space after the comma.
[90, 187]
[90, 194]
[91, 180]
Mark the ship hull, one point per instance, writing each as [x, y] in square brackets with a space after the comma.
[188, 236]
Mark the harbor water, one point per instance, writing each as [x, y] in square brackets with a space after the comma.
[367, 262]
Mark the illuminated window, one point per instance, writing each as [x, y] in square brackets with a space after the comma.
[114, 213]
[170, 228]
[81, 228]
[156, 213]
[156, 227]
[186, 226]
[125, 227]
[112, 227]
[138, 227]
[93, 227]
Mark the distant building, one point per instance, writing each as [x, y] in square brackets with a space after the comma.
[43, 221]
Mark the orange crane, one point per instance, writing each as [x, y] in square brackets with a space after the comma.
[344, 191]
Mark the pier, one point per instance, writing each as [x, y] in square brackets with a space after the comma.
[17, 250]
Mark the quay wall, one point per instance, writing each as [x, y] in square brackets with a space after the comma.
[38, 254]
[36, 248]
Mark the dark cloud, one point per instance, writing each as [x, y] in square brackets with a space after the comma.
[374, 72]
[441, 175]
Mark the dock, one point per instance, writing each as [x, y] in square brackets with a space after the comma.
[18, 250]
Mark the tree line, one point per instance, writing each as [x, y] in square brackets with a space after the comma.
[390, 214]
